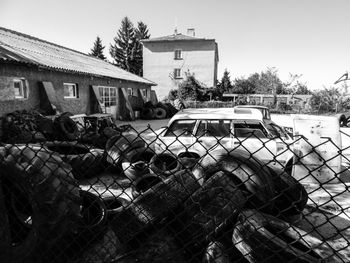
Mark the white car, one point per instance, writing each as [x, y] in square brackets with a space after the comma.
[196, 132]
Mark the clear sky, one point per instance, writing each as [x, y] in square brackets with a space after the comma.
[308, 37]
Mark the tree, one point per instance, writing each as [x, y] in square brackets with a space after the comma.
[190, 89]
[123, 49]
[243, 86]
[225, 84]
[141, 32]
[325, 100]
[97, 50]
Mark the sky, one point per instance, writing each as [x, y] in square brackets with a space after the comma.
[306, 37]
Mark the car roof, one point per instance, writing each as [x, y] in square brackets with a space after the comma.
[252, 106]
[216, 114]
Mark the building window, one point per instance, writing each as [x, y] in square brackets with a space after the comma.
[177, 73]
[70, 91]
[178, 54]
[21, 89]
[130, 92]
[108, 96]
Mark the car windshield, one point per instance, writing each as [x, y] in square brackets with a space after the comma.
[181, 128]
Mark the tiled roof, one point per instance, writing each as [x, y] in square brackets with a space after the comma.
[15, 46]
[174, 37]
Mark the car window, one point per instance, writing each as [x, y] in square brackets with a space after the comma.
[181, 128]
[215, 128]
[276, 130]
[249, 129]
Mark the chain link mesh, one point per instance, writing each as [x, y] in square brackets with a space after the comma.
[120, 195]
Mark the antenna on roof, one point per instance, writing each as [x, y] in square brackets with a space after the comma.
[175, 31]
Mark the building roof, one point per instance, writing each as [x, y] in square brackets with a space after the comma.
[19, 47]
[175, 37]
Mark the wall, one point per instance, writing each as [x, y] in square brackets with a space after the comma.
[199, 57]
[35, 75]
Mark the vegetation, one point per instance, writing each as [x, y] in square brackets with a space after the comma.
[97, 50]
[127, 49]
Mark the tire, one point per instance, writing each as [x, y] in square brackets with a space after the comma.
[86, 162]
[118, 146]
[42, 201]
[66, 127]
[147, 114]
[211, 207]
[290, 195]
[264, 238]
[154, 205]
[164, 164]
[343, 122]
[250, 175]
[160, 113]
[215, 253]
[144, 183]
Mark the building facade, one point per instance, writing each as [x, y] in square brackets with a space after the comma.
[36, 74]
[167, 60]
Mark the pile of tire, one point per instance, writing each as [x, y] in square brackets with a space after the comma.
[157, 111]
[223, 204]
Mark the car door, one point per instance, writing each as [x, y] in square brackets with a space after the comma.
[212, 134]
[178, 137]
[253, 137]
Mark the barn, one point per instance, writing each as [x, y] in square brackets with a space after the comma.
[38, 75]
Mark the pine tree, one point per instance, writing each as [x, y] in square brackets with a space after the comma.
[97, 50]
[141, 32]
[225, 84]
[123, 50]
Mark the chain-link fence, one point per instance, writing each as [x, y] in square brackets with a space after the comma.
[176, 195]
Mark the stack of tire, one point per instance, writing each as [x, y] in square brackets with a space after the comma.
[227, 204]
[157, 111]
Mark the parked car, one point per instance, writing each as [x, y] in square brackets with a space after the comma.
[196, 132]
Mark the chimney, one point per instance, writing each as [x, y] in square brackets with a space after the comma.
[191, 32]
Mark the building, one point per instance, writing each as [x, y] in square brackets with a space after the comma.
[167, 60]
[36, 74]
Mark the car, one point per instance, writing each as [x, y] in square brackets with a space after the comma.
[195, 132]
[275, 129]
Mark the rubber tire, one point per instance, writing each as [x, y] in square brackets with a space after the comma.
[343, 122]
[143, 184]
[118, 146]
[51, 192]
[164, 164]
[67, 127]
[211, 207]
[153, 206]
[86, 162]
[147, 114]
[264, 238]
[290, 195]
[160, 113]
[250, 175]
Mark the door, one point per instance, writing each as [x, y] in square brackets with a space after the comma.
[108, 96]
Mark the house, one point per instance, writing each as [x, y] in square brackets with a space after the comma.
[36, 74]
[167, 60]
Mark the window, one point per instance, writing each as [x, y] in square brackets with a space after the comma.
[177, 73]
[217, 128]
[249, 130]
[178, 54]
[21, 89]
[108, 96]
[130, 92]
[70, 91]
[181, 128]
